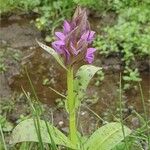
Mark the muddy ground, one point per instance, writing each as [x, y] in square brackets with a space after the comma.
[17, 37]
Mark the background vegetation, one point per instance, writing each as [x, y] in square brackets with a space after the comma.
[126, 38]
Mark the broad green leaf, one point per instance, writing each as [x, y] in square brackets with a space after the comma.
[82, 79]
[120, 146]
[26, 132]
[53, 53]
[107, 137]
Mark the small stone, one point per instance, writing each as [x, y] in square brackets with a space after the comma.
[105, 122]
[118, 109]
[32, 47]
[60, 123]
[131, 107]
[125, 110]
[135, 121]
[105, 113]
[65, 129]
[3, 42]
[83, 113]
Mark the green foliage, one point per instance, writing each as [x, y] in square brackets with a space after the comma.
[52, 13]
[99, 78]
[53, 53]
[6, 6]
[60, 103]
[26, 132]
[98, 5]
[2, 67]
[12, 5]
[5, 124]
[28, 5]
[130, 76]
[36, 130]
[129, 37]
[82, 79]
[6, 54]
[106, 137]
[2, 64]
[118, 5]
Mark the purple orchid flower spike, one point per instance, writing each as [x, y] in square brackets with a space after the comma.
[74, 42]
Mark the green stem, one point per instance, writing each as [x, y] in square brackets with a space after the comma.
[121, 115]
[3, 139]
[145, 114]
[71, 107]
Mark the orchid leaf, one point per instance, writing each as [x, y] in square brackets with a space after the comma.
[107, 137]
[53, 53]
[26, 132]
[82, 79]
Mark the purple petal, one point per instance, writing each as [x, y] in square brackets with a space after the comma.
[85, 36]
[88, 36]
[60, 35]
[90, 55]
[66, 27]
[57, 45]
[91, 36]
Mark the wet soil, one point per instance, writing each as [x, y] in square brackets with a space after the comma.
[18, 34]
[18, 31]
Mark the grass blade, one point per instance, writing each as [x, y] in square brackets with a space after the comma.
[3, 139]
